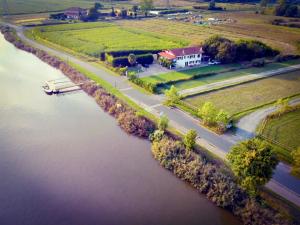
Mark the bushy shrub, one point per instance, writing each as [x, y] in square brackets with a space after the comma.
[148, 86]
[227, 51]
[258, 62]
[136, 125]
[145, 59]
[208, 179]
[120, 61]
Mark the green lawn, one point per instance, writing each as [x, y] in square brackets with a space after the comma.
[184, 74]
[223, 76]
[245, 96]
[286, 131]
[93, 38]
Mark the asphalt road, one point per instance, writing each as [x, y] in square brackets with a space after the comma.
[219, 144]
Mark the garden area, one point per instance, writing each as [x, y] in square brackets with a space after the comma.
[284, 132]
[243, 97]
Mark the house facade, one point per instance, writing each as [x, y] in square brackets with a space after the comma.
[75, 13]
[183, 57]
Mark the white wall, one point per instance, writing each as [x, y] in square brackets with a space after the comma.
[196, 60]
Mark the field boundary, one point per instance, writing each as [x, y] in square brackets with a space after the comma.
[258, 77]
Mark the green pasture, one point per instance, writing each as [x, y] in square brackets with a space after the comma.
[284, 130]
[249, 95]
[185, 74]
[227, 75]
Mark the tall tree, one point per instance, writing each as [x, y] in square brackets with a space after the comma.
[296, 162]
[190, 139]
[252, 162]
[212, 5]
[132, 59]
[163, 123]
[146, 6]
[264, 3]
[172, 95]
[98, 5]
[208, 113]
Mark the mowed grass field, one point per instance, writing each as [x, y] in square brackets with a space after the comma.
[284, 130]
[220, 75]
[177, 75]
[93, 38]
[34, 6]
[246, 25]
[249, 95]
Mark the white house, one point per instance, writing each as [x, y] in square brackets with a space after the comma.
[183, 57]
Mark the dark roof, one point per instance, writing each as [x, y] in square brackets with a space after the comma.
[186, 51]
[75, 10]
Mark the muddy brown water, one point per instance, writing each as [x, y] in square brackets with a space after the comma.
[63, 161]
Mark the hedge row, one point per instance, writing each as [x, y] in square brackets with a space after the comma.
[172, 11]
[123, 60]
[127, 52]
[148, 86]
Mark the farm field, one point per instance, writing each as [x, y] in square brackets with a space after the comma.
[94, 38]
[284, 130]
[34, 6]
[246, 25]
[246, 96]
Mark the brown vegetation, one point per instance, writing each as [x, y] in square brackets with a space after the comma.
[209, 179]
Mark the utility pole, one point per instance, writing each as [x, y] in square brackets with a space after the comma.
[168, 4]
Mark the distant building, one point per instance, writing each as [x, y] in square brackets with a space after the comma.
[75, 13]
[183, 57]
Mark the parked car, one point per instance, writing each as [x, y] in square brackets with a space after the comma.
[213, 62]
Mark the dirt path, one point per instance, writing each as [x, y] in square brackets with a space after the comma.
[247, 125]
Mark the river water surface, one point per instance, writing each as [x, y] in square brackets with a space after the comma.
[63, 161]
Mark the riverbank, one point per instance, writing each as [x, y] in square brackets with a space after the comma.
[142, 127]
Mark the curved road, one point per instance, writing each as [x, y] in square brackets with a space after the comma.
[218, 144]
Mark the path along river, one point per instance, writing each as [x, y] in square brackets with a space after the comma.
[63, 161]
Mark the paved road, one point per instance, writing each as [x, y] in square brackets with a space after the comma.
[220, 145]
[238, 80]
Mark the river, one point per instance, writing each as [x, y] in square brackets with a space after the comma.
[63, 161]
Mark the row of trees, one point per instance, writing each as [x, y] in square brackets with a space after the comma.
[282, 8]
[228, 51]
[208, 112]
[286, 8]
[213, 117]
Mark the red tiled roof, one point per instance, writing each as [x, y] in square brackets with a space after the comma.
[167, 55]
[186, 51]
